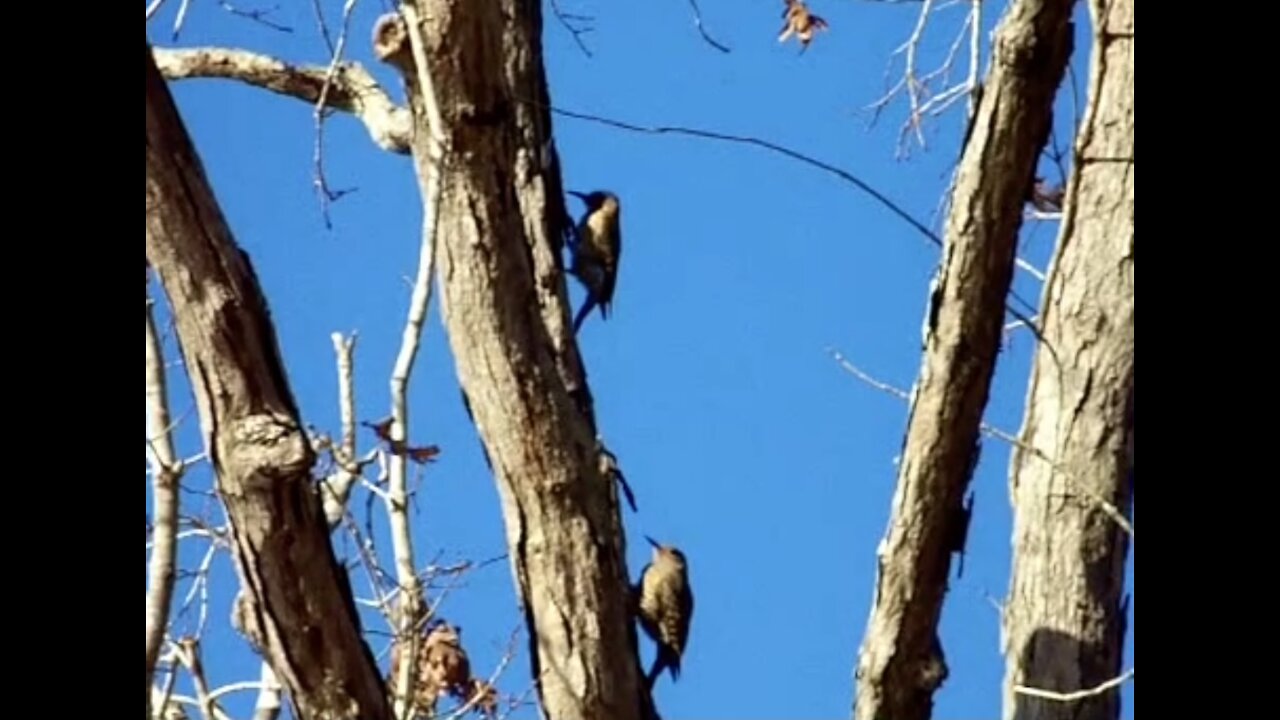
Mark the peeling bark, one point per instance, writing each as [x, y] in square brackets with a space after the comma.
[1064, 621]
[298, 600]
[499, 224]
[901, 664]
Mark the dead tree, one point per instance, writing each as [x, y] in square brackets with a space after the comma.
[901, 664]
[298, 600]
[488, 167]
[1064, 620]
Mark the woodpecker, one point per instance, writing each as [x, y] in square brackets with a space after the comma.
[664, 604]
[596, 249]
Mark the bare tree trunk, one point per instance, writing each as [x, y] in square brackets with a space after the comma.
[901, 664]
[491, 180]
[299, 604]
[1064, 619]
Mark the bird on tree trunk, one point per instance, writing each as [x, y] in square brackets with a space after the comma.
[597, 247]
[664, 604]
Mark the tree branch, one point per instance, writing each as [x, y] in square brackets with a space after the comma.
[165, 473]
[901, 662]
[353, 88]
[296, 597]
[1076, 695]
[992, 431]
[338, 485]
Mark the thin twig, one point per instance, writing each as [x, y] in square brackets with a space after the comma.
[200, 590]
[420, 301]
[258, 16]
[807, 160]
[1077, 694]
[328, 195]
[1030, 269]
[318, 11]
[921, 100]
[767, 145]
[568, 20]
[181, 17]
[697, 21]
[353, 89]
[975, 55]
[1108, 509]
[914, 85]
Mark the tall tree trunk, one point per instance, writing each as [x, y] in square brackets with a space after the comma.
[298, 599]
[490, 173]
[901, 664]
[1064, 620]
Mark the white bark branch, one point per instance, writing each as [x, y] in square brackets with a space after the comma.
[1077, 694]
[165, 472]
[353, 89]
[420, 301]
[343, 479]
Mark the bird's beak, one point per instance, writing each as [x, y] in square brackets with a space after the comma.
[657, 545]
[580, 196]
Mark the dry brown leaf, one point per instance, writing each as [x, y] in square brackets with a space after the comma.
[445, 665]
[800, 22]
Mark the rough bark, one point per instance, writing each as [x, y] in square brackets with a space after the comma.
[499, 224]
[1064, 620]
[901, 664]
[297, 599]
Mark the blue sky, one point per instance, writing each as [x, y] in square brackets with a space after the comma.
[746, 443]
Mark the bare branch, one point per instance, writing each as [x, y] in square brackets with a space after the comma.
[995, 432]
[410, 341]
[1030, 269]
[320, 112]
[809, 160]
[975, 55]
[340, 483]
[352, 90]
[697, 21]
[1094, 691]
[919, 86]
[842, 174]
[165, 474]
[322, 25]
[262, 17]
[577, 25]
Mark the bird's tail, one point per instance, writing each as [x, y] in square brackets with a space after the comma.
[666, 660]
[587, 306]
